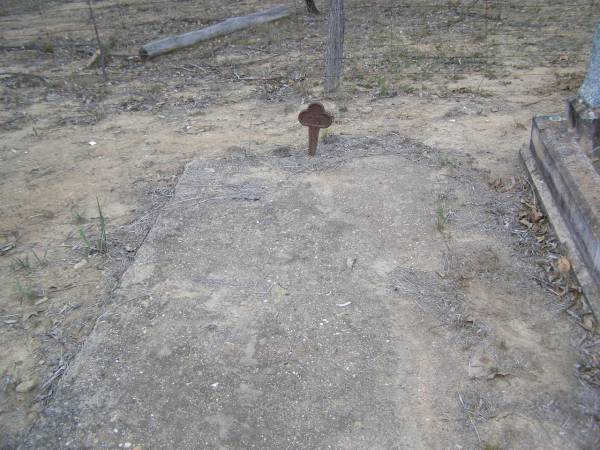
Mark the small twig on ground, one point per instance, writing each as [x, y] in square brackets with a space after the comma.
[63, 365]
[533, 196]
[195, 66]
[524, 105]
[70, 286]
[54, 376]
[190, 70]
[468, 413]
[256, 78]
[198, 199]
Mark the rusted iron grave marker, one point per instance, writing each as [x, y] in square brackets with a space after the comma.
[314, 117]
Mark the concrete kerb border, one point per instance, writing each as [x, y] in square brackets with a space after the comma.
[590, 291]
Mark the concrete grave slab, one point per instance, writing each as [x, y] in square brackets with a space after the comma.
[563, 163]
[569, 187]
[293, 302]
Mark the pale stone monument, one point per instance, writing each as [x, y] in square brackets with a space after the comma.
[590, 90]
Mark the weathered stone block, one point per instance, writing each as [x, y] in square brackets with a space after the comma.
[590, 89]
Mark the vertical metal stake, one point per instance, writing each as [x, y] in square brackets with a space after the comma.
[313, 140]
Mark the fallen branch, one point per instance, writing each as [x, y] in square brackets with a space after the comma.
[228, 26]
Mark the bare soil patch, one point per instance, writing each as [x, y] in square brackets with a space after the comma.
[463, 77]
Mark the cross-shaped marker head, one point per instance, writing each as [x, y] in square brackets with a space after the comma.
[314, 117]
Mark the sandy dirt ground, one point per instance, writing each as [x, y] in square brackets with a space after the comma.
[462, 77]
[283, 301]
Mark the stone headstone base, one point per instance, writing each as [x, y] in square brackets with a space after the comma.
[585, 122]
[560, 164]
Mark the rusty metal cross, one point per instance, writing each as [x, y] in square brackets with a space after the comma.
[314, 117]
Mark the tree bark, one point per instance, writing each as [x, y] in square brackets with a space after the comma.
[171, 43]
[311, 7]
[335, 47]
[100, 47]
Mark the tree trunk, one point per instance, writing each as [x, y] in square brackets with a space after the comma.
[335, 46]
[227, 26]
[100, 47]
[311, 7]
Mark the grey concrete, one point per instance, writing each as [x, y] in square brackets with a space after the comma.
[590, 89]
[294, 302]
[585, 123]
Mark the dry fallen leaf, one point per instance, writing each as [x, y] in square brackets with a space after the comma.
[563, 265]
[526, 223]
[535, 215]
[588, 322]
[532, 212]
[496, 183]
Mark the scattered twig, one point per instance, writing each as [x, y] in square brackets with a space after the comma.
[256, 78]
[129, 300]
[5, 248]
[468, 413]
[198, 199]
[191, 70]
[343, 305]
[525, 105]
[25, 75]
[63, 364]
[70, 286]
[54, 376]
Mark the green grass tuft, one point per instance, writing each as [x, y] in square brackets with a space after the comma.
[25, 291]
